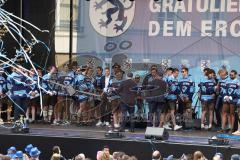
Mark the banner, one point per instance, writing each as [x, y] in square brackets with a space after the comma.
[192, 33]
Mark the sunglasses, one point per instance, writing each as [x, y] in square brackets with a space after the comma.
[183, 71]
[232, 75]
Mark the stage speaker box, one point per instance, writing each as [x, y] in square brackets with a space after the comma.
[156, 133]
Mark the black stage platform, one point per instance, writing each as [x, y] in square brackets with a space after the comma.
[74, 140]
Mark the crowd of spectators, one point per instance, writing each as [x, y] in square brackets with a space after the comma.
[33, 153]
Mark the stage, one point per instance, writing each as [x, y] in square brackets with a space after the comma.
[89, 140]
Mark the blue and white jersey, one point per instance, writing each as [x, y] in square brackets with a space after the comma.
[84, 84]
[33, 85]
[222, 86]
[65, 80]
[113, 85]
[232, 89]
[173, 88]
[46, 86]
[17, 84]
[207, 89]
[3, 85]
[99, 82]
[186, 87]
[167, 78]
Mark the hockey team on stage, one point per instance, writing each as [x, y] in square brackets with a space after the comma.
[113, 98]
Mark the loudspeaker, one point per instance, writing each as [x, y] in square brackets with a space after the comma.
[156, 133]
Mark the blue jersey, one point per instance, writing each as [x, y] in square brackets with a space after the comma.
[173, 88]
[99, 82]
[66, 80]
[207, 88]
[113, 85]
[18, 86]
[83, 83]
[46, 86]
[33, 85]
[222, 86]
[187, 87]
[232, 89]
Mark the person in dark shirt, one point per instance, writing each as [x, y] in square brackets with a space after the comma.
[156, 98]
[128, 99]
[99, 82]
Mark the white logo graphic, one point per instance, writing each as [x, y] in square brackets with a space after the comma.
[111, 18]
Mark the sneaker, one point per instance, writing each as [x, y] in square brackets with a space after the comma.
[177, 127]
[116, 126]
[99, 124]
[167, 127]
[107, 124]
[237, 133]
[210, 127]
[1, 122]
[55, 122]
[202, 126]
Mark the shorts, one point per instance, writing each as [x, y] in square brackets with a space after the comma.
[208, 105]
[6, 101]
[228, 108]
[34, 102]
[49, 100]
[171, 104]
[115, 105]
[156, 107]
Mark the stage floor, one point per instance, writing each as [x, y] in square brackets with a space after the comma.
[182, 136]
[89, 140]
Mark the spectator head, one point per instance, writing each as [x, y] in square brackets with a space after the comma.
[56, 156]
[11, 150]
[198, 155]
[56, 149]
[28, 148]
[118, 155]
[218, 156]
[81, 156]
[235, 157]
[106, 150]
[5, 157]
[156, 155]
[99, 155]
[170, 157]
[18, 155]
[34, 153]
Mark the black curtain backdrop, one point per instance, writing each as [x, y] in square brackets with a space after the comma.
[41, 14]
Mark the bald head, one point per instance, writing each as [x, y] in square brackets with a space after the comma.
[156, 155]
